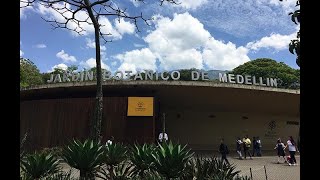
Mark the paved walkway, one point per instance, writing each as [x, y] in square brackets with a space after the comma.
[274, 171]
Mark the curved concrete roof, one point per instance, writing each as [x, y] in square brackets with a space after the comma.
[115, 83]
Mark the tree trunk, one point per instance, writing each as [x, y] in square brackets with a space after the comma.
[95, 125]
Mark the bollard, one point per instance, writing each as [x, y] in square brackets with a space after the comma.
[265, 171]
[251, 174]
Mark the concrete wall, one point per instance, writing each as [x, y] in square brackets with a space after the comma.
[203, 129]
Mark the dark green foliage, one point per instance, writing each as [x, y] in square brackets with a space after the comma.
[86, 156]
[114, 154]
[294, 45]
[264, 67]
[61, 176]
[242, 178]
[170, 159]
[211, 168]
[121, 171]
[29, 73]
[141, 157]
[56, 151]
[39, 165]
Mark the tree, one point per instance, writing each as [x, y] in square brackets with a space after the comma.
[264, 67]
[294, 45]
[94, 10]
[29, 73]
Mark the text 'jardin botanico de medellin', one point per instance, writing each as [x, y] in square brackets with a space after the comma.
[151, 75]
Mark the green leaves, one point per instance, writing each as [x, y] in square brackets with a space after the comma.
[295, 16]
[29, 73]
[114, 154]
[170, 159]
[141, 157]
[86, 156]
[211, 168]
[39, 165]
[269, 68]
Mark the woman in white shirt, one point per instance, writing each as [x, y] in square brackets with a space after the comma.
[292, 147]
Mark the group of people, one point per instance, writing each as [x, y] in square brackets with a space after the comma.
[245, 144]
[292, 148]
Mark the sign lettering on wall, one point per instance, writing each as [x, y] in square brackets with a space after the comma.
[140, 106]
[151, 75]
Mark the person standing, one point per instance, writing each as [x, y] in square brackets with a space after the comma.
[292, 147]
[223, 149]
[238, 146]
[109, 142]
[254, 147]
[259, 145]
[163, 137]
[280, 150]
[246, 146]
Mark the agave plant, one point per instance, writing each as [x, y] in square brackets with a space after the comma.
[209, 169]
[124, 170]
[242, 178]
[86, 156]
[197, 168]
[114, 154]
[39, 165]
[61, 176]
[141, 157]
[150, 175]
[170, 159]
[222, 170]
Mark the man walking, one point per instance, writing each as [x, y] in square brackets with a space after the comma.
[223, 149]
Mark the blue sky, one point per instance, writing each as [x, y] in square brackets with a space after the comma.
[203, 34]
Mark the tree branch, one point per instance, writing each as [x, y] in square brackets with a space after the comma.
[169, 1]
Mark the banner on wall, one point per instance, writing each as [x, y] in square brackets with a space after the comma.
[140, 106]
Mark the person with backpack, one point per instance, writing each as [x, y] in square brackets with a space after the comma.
[238, 147]
[280, 147]
[223, 149]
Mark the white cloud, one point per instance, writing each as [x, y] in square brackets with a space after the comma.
[66, 57]
[49, 13]
[115, 31]
[124, 26]
[287, 5]
[90, 63]
[40, 46]
[275, 41]
[59, 66]
[246, 19]
[107, 28]
[137, 60]
[114, 63]
[24, 9]
[184, 59]
[92, 44]
[136, 3]
[192, 4]
[184, 43]
[218, 55]
[138, 45]
[21, 53]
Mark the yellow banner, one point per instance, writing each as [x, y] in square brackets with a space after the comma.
[140, 106]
